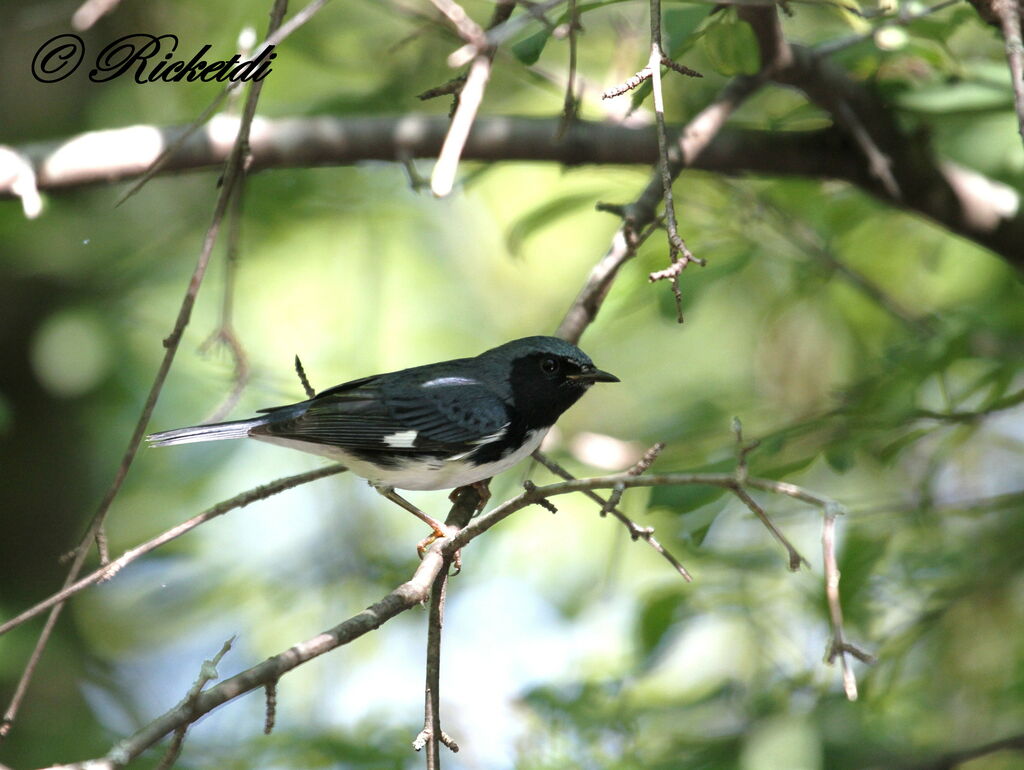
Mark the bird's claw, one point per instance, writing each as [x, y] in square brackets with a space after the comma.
[441, 531]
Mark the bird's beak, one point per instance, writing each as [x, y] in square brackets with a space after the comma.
[594, 375]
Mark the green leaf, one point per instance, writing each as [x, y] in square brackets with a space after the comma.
[731, 48]
[697, 525]
[839, 457]
[786, 469]
[529, 49]
[857, 561]
[891, 451]
[680, 28]
[660, 612]
[544, 215]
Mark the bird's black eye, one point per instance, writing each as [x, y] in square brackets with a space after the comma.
[549, 365]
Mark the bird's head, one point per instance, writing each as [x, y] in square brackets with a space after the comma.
[546, 375]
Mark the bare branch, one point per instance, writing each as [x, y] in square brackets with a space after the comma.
[902, 19]
[207, 673]
[91, 11]
[225, 333]
[636, 532]
[570, 107]
[410, 594]
[1009, 13]
[110, 570]
[468, 29]
[271, 710]
[956, 759]
[643, 75]
[275, 35]
[443, 178]
[501, 33]
[957, 198]
[837, 646]
[306, 387]
[233, 172]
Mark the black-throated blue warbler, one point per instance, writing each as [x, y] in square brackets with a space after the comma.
[439, 426]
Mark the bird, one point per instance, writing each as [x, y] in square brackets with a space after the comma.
[439, 426]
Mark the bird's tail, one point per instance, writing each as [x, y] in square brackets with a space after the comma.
[216, 432]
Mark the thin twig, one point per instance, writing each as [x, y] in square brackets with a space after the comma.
[955, 759]
[636, 532]
[803, 237]
[468, 29]
[107, 572]
[207, 673]
[879, 163]
[274, 38]
[225, 333]
[1009, 13]
[171, 344]
[306, 387]
[743, 451]
[588, 302]
[502, 11]
[965, 416]
[831, 47]
[837, 645]
[270, 715]
[432, 736]
[442, 180]
[570, 106]
[406, 596]
[693, 138]
[643, 75]
[795, 559]
[678, 253]
[91, 11]
[411, 593]
[467, 500]
[453, 86]
[231, 175]
[725, 481]
[500, 33]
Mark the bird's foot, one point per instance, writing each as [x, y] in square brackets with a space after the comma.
[442, 530]
[439, 530]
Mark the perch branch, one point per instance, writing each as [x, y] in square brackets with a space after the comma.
[108, 571]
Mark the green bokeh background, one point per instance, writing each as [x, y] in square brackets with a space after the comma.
[566, 645]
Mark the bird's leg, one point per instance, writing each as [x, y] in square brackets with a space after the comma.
[439, 529]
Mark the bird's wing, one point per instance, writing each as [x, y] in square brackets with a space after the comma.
[446, 414]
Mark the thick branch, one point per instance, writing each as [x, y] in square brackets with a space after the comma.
[897, 166]
[977, 209]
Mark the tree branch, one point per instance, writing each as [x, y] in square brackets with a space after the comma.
[108, 571]
[412, 593]
[979, 209]
[233, 174]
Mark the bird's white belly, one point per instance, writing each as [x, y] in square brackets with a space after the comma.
[418, 474]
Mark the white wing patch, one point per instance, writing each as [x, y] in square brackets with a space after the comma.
[441, 382]
[401, 440]
[498, 435]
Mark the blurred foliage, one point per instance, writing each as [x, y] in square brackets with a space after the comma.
[877, 358]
